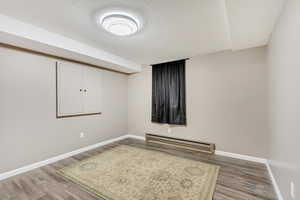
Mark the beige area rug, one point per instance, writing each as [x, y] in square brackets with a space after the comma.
[130, 173]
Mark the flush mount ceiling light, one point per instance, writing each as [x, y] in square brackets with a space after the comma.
[119, 24]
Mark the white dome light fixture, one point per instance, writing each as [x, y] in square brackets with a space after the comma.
[120, 24]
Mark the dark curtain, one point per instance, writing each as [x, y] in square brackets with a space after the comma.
[168, 93]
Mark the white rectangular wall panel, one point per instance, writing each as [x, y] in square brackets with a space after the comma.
[70, 82]
[92, 90]
[78, 90]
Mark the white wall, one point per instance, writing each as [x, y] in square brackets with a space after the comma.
[226, 102]
[284, 60]
[29, 131]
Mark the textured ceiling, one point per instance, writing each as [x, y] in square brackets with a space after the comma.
[173, 29]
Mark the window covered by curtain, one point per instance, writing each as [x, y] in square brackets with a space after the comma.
[168, 93]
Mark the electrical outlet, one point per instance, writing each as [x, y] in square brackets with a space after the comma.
[293, 190]
[82, 135]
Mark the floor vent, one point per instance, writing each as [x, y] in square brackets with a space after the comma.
[181, 143]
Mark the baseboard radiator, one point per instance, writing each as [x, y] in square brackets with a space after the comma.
[181, 143]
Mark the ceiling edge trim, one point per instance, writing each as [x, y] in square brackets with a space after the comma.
[42, 39]
[8, 46]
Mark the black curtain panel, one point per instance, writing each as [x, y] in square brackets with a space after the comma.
[168, 93]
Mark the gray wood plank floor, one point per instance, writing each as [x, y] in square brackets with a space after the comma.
[238, 179]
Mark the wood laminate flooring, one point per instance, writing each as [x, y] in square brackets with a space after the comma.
[238, 179]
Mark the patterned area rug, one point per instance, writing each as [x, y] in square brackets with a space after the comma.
[130, 173]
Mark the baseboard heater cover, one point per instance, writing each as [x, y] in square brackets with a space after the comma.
[181, 143]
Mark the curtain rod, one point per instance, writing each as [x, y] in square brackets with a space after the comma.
[170, 61]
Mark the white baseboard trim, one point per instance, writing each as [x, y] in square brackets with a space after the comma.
[78, 151]
[242, 157]
[221, 153]
[275, 185]
[30, 167]
[136, 137]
